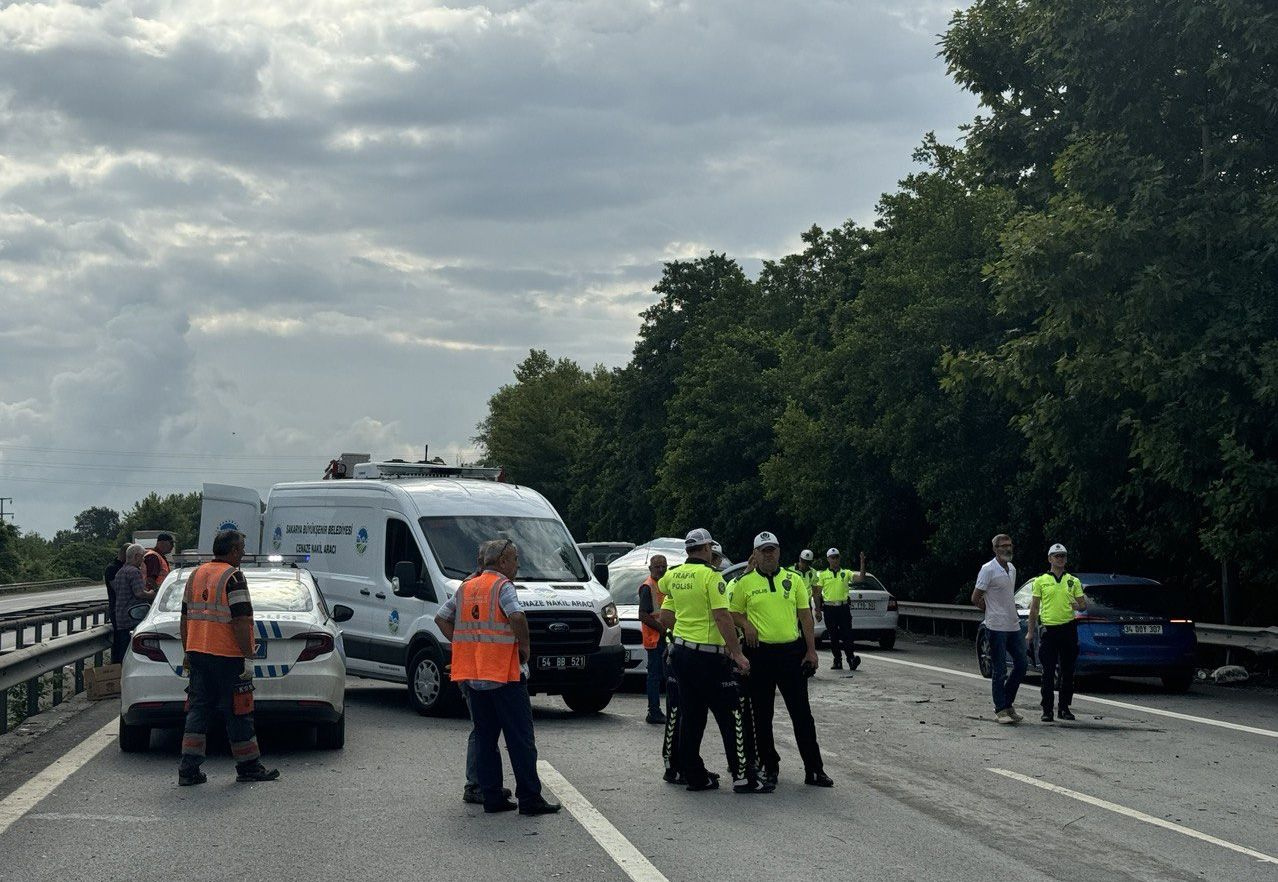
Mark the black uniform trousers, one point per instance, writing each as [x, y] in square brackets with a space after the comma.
[776, 666]
[838, 627]
[707, 684]
[1058, 645]
[670, 743]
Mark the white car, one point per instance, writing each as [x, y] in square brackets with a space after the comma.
[874, 612]
[299, 673]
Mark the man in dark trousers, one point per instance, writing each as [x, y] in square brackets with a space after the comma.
[1056, 596]
[108, 576]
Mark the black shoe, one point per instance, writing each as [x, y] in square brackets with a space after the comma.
[475, 796]
[818, 779]
[767, 782]
[656, 718]
[711, 783]
[750, 785]
[506, 805]
[1046, 717]
[540, 808]
[838, 665]
[856, 662]
[190, 779]
[673, 777]
[257, 773]
[1064, 714]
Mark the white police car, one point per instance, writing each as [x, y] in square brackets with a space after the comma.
[299, 674]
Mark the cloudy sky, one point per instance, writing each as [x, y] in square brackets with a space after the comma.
[237, 239]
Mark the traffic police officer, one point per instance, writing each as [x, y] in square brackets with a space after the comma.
[1056, 595]
[704, 651]
[832, 602]
[769, 605]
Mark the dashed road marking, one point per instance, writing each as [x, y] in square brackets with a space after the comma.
[1155, 711]
[610, 839]
[25, 798]
[1139, 816]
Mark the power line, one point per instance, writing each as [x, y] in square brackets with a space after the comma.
[98, 452]
[132, 468]
[186, 487]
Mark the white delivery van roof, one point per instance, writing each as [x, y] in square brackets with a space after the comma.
[438, 496]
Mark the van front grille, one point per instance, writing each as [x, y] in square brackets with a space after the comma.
[570, 632]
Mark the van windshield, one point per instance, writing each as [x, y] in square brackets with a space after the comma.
[546, 551]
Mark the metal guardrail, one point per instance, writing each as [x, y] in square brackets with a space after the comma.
[1258, 640]
[63, 617]
[28, 664]
[50, 585]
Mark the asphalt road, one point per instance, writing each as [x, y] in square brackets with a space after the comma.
[913, 751]
[17, 602]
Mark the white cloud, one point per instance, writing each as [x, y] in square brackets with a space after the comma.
[287, 228]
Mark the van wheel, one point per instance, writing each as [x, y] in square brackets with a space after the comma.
[587, 701]
[887, 640]
[427, 683]
[331, 736]
[134, 739]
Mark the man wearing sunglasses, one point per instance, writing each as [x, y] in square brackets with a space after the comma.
[770, 606]
[995, 593]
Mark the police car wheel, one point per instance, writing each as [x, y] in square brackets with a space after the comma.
[331, 736]
[984, 657]
[587, 701]
[887, 640]
[426, 682]
[134, 739]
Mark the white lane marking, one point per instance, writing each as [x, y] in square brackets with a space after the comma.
[1159, 712]
[77, 816]
[24, 799]
[1139, 816]
[619, 848]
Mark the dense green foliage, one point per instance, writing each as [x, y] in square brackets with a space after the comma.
[1066, 329]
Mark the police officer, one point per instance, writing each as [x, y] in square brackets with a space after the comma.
[770, 606]
[832, 602]
[704, 651]
[1056, 595]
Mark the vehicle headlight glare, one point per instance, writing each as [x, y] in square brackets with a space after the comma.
[609, 614]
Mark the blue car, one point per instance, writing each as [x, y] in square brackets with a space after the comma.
[1132, 626]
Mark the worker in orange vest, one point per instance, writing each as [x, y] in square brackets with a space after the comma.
[489, 634]
[217, 636]
[653, 635]
[156, 562]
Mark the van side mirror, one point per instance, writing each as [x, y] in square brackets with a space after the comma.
[601, 573]
[342, 613]
[405, 582]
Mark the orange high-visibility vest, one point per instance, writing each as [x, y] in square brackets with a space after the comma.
[164, 566]
[208, 613]
[484, 644]
[651, 636]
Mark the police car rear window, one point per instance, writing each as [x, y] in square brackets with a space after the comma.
[266, 593]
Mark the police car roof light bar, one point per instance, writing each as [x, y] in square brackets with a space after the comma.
[191, 558]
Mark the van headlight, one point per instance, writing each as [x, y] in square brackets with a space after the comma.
[609, 613]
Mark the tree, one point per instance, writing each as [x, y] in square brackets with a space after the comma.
[179, 513]
[98, 524]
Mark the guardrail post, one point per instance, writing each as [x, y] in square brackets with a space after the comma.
[79, 676]
[4, 711]
[39, 629]
[21, 632]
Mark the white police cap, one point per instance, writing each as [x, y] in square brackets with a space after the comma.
[765, 539]
[697, 538]
[1057, 549]
[833, 552]
[806, 554]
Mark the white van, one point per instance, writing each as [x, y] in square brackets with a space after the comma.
[395, 541]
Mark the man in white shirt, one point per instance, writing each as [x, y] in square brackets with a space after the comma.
[995, 591]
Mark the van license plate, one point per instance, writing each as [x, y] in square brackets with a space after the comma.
[1142, 629]
[861, 604]
[561, 662]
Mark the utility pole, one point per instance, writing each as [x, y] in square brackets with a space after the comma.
[5, 514]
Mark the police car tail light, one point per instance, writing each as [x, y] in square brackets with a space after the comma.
[316, 645]
[148, 646]
[609, 614]
[891, 603]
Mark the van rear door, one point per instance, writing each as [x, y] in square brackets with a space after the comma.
[227, 507]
